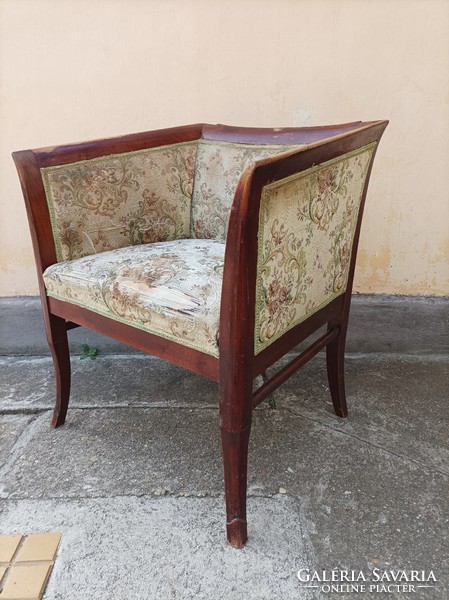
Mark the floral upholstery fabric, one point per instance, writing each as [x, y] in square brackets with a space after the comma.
[121, 200]
[121, 224]
[171, 289]
[219, 166]
[306, 230]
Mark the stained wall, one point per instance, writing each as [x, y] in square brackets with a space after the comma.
[72, 70]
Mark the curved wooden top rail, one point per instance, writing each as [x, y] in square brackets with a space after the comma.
[68, 153]
[278, 135]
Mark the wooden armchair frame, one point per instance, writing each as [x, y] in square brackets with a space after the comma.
[237, 364]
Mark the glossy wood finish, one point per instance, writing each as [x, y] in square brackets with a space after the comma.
[278, 135]
[61, 155]
[237, 365]
[188, 358]
[270, 384]
[59, 348]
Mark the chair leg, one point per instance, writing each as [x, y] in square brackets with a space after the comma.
[235, 457]
[59, 346]
[235, 427]
[335, 356]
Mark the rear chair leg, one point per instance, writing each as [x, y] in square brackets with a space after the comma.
[335, 356]
[59, 346]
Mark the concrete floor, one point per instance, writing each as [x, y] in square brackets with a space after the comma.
[134, 478]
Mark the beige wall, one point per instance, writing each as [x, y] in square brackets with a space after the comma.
[78, 69]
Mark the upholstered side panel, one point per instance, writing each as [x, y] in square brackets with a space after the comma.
[219, 166]
[306, 231]
[121, 200]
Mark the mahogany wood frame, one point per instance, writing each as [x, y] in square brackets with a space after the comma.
[237, 365]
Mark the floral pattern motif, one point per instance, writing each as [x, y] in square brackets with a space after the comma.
[158, 194]
[306, 230]
[219, 166]
[121, 200]
[171, 289]
[120, 225]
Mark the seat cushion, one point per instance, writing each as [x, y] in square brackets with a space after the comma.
[171, 289]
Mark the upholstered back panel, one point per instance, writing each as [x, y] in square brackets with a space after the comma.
[306, 231]
[121, 200]
[219, 166]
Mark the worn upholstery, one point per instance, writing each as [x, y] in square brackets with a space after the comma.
[121, 200]
[219, 166]
[171, 289]
[158, 194]
[306, 231]
[121, 226]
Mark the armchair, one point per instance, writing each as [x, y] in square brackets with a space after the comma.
[216, 248]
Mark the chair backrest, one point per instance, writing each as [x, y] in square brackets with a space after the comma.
[120, 200]
[157, 194]
[147, 187]
[219, 165]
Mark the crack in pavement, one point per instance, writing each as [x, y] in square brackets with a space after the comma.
[19, 444]
[24, 437]
[364, 441]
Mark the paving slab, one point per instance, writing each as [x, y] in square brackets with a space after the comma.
[398, 405]
[385, 414]
[28, 383]
[39, 547]
[145, 548]
[11, 428]
[119, 452]
[8, 547]
[359, 501]
[386, 398]
[134, 478]
[26, 582]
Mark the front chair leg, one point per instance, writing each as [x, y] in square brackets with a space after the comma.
[56, 330]
[335, 356]
[235, 426]
[235, 458]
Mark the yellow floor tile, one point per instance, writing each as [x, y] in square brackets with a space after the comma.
[8, 545]
[39, 546]
[2, 571]
[26, 582]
